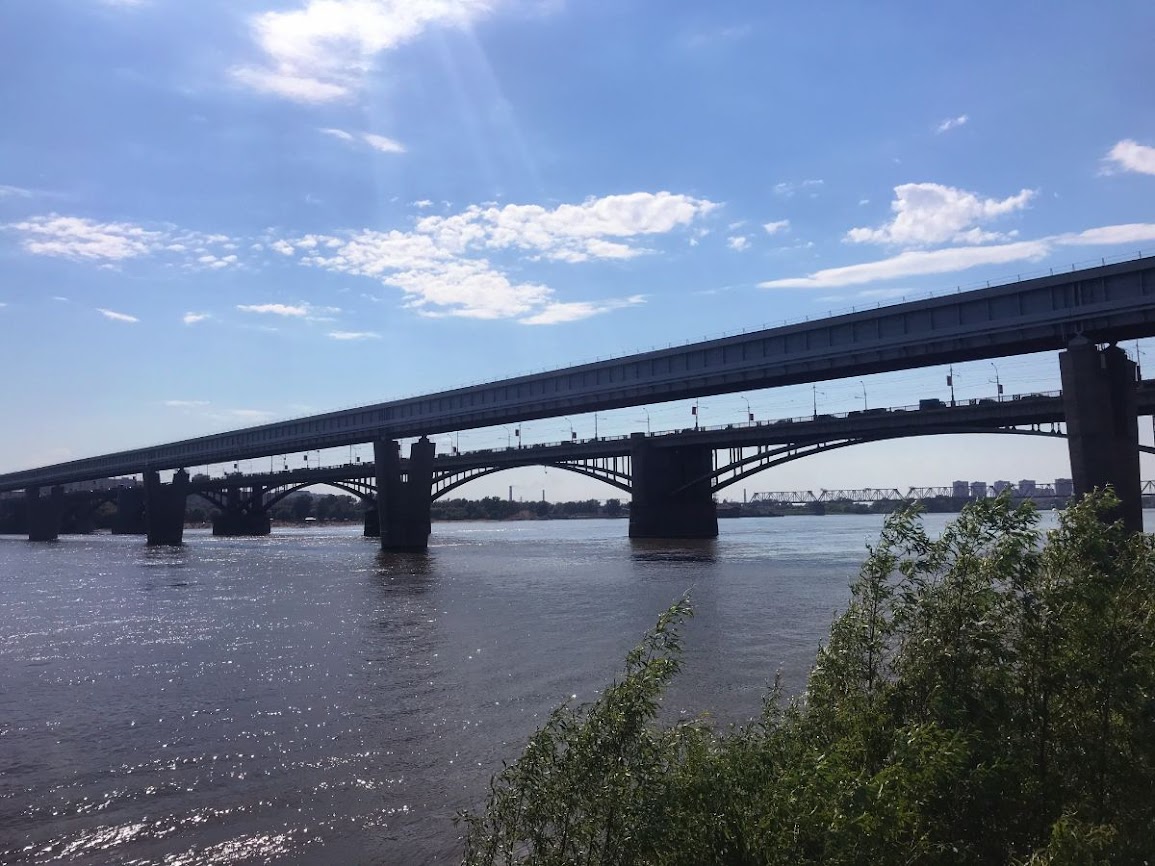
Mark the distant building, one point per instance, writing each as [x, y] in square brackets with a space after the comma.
[1064, 487]
[960, 489]
[1000, 486]
[978, 490]
[1027, 487]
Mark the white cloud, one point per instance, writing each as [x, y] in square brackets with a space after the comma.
[788, 189]
[283, 247]
[338, 133]
[14, 192]
[323, 50]
[1130, 155]
[422, 203]
[354, 335]
[1131, 233]
[377, 142]
[193, 318]
[85, 239]
[382, 144]
[569, 232]
[186, 404]
[558, 312]
[442, 268]
[951, 123]
[915, 263]
[930, 213]
[3, 304]
[294, 311]
[738, 243]
[777, 226]
[115, 316]
[922, 262]
[110, 243]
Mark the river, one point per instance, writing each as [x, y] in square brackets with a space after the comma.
[304, 698]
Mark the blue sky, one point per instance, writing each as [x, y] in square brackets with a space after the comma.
[218, 213]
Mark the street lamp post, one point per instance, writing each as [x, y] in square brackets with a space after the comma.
[998, 384]
[863, 384]
[647, 411]
[749, 411]
[950, 382]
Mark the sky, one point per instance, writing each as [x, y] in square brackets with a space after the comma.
[215, 214]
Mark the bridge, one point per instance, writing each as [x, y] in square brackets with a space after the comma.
[1071, 312]
[734, 451]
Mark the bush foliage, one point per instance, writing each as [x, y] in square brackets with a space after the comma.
[986, 698]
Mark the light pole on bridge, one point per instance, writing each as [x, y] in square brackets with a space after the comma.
[998, 384]
[647, 411]
[749, 411]
[863, 384]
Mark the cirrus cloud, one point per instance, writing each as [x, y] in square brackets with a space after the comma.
[117, 317]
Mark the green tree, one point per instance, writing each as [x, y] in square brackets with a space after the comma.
[988, 697]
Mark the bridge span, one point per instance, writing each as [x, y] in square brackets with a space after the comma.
[695, 466]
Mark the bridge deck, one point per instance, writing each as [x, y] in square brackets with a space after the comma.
[1105, 304]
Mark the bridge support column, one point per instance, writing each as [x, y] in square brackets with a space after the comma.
[164, 508]
[403, 498]
[44, 514]
[12, 517]
[129, 512]
[672, 496]
[242, 517]
[372, 522]
[1099, 401]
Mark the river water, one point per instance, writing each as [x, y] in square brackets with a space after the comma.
[304, 698]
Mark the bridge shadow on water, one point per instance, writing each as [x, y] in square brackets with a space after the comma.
[703, 550]
[405, 571]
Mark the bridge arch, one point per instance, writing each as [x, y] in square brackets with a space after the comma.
[614, 477]
[753, 464]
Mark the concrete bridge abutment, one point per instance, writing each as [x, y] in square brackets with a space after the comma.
[671, 497]
[1099, 401]
[44, 514]
[164, 508]
[404, 497]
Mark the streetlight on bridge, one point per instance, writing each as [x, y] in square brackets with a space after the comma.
[647, 411]
[749, 411]
[998, 384]
[863, 384]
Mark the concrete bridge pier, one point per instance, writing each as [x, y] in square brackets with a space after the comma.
[129, 518]
[79, 521]
[243, 516]
[372, 522]
[672, 497]
[1099, 400]
[12, 517]
[44, 514]
[404, 498]
[164, 508]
